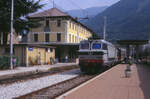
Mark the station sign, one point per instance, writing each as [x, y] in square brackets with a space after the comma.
[30, 49]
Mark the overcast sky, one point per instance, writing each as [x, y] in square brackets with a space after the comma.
[77, 4]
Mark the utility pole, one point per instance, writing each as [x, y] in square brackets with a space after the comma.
[11, 34]
[104, 33]
[53, 4]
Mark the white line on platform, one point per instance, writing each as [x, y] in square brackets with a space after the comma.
[71, 91]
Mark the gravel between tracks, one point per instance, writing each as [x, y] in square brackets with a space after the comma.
[36, 74]
[58, 89]
[21, 88]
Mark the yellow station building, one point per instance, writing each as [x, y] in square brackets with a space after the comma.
[57, 27]
[60, 30]
[29, 55]
[56, 38]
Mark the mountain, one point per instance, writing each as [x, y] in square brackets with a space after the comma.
[91, 12]
[127, 19]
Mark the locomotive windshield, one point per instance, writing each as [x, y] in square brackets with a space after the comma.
[84, 46]
[105, 47]
[96, 46]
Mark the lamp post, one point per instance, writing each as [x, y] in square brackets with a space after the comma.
[11, 34]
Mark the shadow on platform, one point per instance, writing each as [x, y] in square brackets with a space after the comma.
[144, 77]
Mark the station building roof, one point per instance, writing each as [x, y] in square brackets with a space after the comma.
[49, 13]
[56, 13]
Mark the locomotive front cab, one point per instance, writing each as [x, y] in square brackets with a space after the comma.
[91, 56]
[91, 61]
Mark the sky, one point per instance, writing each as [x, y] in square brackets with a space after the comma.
[76, 4]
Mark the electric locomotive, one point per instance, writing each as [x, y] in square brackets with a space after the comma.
[96, 55]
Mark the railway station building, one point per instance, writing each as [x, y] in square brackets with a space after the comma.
[60, 30]
[56, 39]
[30, 55]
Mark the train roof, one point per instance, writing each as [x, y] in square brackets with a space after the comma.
[98, 40]
[104, 41]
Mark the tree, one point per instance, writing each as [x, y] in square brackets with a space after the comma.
[22, 9]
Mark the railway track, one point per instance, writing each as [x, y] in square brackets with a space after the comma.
[58, 89]
[17, 89]
[47, 87]
[36, 75]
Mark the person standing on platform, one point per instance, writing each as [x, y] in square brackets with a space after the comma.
[66, 59]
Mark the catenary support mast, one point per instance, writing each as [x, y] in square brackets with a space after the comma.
[11, 35]
[104, 33]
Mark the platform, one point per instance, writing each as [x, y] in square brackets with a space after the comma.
[23, 71]
[114, 85]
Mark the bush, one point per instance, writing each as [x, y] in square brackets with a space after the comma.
[5, 62]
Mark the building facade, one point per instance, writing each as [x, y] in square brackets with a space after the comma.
[57, 27]
[29, 55]
[60, 30]
[5, 38]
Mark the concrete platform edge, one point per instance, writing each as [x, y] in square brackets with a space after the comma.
[32, 72]
[69, 92]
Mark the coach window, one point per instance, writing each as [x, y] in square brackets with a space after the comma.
[84, 46]
[96, 46]
[104, 47]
